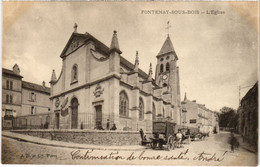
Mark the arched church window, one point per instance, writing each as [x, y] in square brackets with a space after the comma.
[74, 73]
[167, 58]
[141, 107]
[123, 104]
[154, 111]
[167, 67]
[161, 68]
[161, 59]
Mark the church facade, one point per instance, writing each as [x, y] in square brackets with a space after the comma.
[99, 89]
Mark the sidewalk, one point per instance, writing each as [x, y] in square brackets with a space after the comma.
[246, 145]
[41, 141]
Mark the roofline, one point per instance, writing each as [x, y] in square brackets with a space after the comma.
[13, 74]
[161, 55]
[88, 37]
[46, 92]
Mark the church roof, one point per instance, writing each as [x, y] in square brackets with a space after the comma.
[99, 45]
[167, 47]
[35, 87]
[104, 49]
[10, 72]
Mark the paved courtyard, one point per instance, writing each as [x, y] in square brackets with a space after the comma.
[214, 150]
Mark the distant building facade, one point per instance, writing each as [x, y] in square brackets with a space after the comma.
[24, 104]
[248, 115]
[98, 88]
[198, 116]
[11, 95]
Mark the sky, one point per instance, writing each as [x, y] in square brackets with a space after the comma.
[217, 53]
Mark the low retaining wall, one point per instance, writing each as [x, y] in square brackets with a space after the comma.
[96, 137]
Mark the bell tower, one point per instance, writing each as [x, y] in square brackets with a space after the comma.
[167, 73]
[166, 68]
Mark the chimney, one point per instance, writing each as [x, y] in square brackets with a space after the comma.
[16, 69]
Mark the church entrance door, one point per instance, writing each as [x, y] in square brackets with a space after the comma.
[74, 113]
[99, 117]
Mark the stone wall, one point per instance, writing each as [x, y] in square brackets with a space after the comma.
[88, 136]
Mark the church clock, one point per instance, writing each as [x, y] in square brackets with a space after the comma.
[165, 80]
[164, 77]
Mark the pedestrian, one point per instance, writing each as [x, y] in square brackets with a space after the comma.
[113, 127]
[179, 138]
[142, 133]
[233, 142]
[108, 124]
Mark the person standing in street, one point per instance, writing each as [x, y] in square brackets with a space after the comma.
[232, 141]
[179, 138]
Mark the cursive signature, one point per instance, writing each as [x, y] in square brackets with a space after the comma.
[209, 157]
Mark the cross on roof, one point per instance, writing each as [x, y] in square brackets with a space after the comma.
[75, 27]
[168, 26]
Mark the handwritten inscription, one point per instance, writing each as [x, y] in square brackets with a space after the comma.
[208, 157]
[89, 156]
[144, 156]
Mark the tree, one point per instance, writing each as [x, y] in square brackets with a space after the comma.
[228, 117]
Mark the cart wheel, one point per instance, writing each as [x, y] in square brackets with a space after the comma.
[153, 145]
[168, 146]
[199, 136]
[170, 143]
[160, 145]
[173, 144]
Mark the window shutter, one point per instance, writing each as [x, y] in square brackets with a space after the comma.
[7, 84]
[7, 99]
[11, 85]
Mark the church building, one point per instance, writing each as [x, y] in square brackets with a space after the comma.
[99, 89]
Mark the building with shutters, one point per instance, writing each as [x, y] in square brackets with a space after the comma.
[196, 115]
[24, 104]
[11, 95]
[98, 88]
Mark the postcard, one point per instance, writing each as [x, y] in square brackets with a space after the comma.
[130, 83]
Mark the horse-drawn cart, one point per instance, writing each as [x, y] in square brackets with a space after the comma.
[163, 132]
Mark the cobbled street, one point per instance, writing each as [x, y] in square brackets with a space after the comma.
[214, 150]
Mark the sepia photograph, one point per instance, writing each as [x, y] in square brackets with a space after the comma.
[155, 83]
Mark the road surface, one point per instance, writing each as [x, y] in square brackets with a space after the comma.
[214, 150]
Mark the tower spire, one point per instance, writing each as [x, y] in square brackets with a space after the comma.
[150, 74]
[114, 43]
[167, 47]
[185, 97]
[136, 62]
[53, 77]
